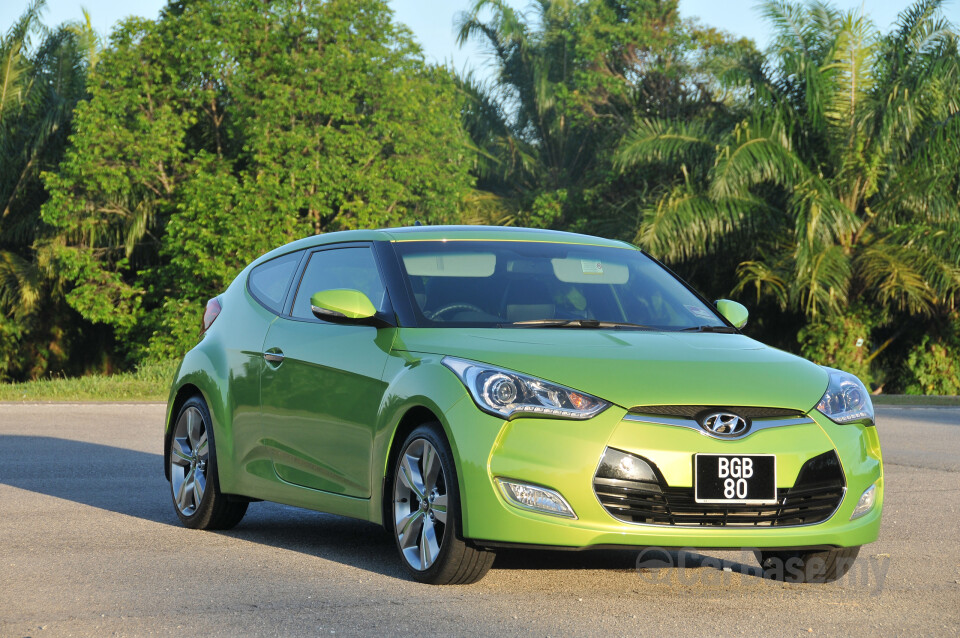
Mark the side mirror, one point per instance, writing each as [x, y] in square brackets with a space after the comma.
[734, 312]
[343, 306]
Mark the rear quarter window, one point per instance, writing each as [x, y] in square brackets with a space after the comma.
[268, 282]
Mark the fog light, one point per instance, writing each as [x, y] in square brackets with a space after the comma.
[865, 504]
[624, 467]
[536, 498]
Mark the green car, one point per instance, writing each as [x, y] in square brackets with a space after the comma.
[474, 388]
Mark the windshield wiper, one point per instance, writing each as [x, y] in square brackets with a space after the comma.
[722, 329]
[578, 323]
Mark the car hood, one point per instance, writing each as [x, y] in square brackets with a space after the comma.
[633, 368]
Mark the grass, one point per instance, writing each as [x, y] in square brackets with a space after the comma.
[149, 382]
[914, 399]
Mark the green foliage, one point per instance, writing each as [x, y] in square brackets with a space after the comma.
[569, 78]
[311, 118]
[170, 330]
[11, 334]
[830, 176]
[843, 342]
[933, 365]
[819, 180]
[42, 78]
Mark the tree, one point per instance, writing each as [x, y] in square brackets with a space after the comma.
[570, 77]
[40, 84]
[836, 176]
[539, 129]
[232, 127]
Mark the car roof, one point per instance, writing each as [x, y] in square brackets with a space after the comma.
[445, 233]
[496, 233]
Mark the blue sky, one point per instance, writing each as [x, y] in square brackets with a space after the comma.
[432, 20]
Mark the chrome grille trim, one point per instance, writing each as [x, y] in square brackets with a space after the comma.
[755, 426]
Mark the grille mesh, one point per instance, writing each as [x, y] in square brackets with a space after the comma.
[692, 411]
[812, 499]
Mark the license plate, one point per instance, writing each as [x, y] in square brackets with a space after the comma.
[734, 478]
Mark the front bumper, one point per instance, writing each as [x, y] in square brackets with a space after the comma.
[563, 455]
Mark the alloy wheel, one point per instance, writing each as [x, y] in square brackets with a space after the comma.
[189, 459]
[420, 504]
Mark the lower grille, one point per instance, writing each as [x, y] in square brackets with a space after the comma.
[813, 499]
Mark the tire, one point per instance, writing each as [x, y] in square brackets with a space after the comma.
[425, 513]
[194, 485]
[808, 567]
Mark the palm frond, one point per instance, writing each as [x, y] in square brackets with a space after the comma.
[88, 40]
[685, 224]
[753, 153]
[821, 219]
[895, 276]
[19, 285]
[765, 279]
[821, 280]
[652, 140]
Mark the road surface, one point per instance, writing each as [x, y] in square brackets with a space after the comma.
[90, 546]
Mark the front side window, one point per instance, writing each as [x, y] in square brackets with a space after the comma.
[494, 283]
[269, 281]
[352, 268]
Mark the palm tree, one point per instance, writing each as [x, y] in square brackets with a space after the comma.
[566, 81]
[40, 85]
[836, 174]
[525, 145]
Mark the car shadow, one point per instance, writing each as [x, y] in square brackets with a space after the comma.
[628, 558]
[659, 558]
[132, 483]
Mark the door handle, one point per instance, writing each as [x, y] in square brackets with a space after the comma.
[274, 357]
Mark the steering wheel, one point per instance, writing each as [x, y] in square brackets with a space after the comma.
[452, 307]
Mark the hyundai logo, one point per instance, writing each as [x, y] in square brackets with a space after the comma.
[724, 424]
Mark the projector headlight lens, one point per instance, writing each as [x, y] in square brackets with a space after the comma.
[506, 394]
[846, 399]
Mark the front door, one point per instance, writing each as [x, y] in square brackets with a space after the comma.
[321, 384]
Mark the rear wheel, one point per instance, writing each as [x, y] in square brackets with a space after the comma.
[193, 472]
[426, 513]
[795, 566]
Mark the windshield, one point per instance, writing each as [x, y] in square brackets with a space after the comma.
[534, 284]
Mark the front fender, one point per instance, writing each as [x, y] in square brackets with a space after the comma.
[415, 382]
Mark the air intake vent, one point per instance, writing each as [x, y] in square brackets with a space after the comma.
[813, 499]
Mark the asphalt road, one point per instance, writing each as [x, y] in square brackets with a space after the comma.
[90, 546]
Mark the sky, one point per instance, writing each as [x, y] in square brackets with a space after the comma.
[432, 20]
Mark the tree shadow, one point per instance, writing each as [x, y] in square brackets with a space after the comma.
[132, 483]
[102, 476]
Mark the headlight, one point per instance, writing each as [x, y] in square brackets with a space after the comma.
[846, 399]
[504, 393]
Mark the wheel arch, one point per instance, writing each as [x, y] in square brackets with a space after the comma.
[414, 417]
[183, 393]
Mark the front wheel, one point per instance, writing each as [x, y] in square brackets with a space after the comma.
[795, 566]
[193, 472]
[426, 513]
